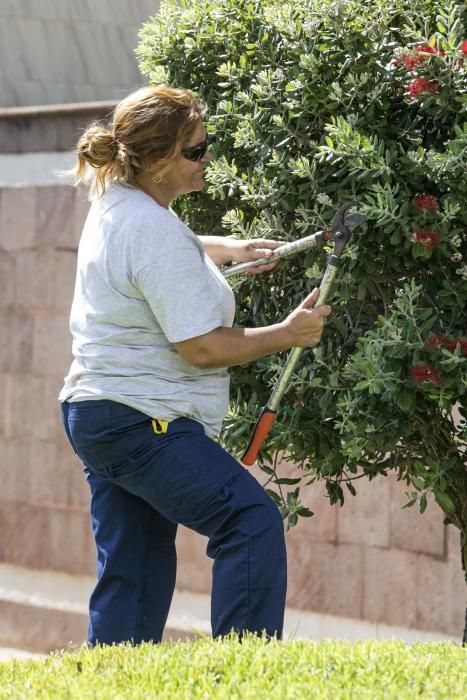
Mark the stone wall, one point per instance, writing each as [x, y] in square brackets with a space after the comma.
[56, 51]
[370, 560]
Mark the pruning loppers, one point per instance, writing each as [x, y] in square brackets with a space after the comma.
[342, 226]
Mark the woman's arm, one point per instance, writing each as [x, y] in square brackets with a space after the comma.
[225, 347]
[223, 250]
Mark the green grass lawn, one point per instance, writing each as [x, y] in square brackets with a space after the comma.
[251, 669]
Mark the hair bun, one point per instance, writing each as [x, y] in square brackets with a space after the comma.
[97, 146]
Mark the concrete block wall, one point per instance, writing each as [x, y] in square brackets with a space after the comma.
[56, 51]
[370, 560]
[44, 521]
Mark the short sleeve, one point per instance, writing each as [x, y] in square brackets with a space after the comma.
[181, 293]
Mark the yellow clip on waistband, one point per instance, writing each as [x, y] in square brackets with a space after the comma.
[159, 426]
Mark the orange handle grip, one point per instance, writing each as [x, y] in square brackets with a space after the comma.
[260, 433]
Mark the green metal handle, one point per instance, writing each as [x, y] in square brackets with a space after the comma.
[268, 414]
[294, 355]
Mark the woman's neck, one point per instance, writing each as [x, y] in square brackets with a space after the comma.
[155, 190]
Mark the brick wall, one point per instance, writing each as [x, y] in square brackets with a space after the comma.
[370, 560]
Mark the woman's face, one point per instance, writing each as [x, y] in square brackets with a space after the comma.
[186, 175]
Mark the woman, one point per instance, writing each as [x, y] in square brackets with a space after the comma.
[148, 388]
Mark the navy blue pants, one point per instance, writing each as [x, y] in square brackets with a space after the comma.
[142, 485]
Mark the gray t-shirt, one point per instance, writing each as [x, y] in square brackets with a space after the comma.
[144, 282]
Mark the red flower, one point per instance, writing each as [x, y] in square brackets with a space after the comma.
[426, 202]
[427, 50]
[428, 239]
[425, 373]
[464, 47]
[452, 345]
[422, 86]
[436, 340]
[441, 341]
[412, 59]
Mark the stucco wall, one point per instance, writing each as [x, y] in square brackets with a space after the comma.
[54, 51]
[370, 560]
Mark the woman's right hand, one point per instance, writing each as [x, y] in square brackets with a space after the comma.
[225, 347]
[306, 323]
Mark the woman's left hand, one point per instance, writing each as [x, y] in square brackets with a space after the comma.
[255, 249]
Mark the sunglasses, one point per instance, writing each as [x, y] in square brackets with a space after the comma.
[195, 153]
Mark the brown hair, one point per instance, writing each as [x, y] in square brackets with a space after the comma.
[149, 129]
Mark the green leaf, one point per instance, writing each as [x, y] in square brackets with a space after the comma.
[444, 501]
[284, 480]
[275, 497]
[405, 399]
[441, 26]
[304, 512]
[364, 384]
[417, 482]
[361, 292]
[423, 503]
[293, 520]
[266, 469]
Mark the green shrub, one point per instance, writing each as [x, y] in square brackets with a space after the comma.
[314, 103]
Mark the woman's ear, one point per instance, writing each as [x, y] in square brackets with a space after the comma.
[153, 169]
